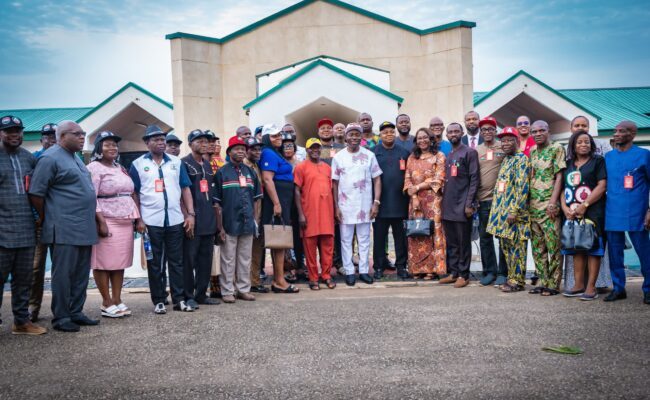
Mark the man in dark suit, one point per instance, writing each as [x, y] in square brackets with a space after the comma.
[473, 137]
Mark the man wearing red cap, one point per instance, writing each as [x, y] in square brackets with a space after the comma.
[509, 219]
[626, 209]
[490, 157]
[329, 147]
[238, 193]
[548, 161]
[313, 194]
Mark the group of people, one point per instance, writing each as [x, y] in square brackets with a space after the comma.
[201, 216]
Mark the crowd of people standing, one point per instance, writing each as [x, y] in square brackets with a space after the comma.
[202, 217]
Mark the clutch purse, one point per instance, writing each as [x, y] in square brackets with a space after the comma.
[417, 227]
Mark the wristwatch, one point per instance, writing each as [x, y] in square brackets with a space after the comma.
[585, 203]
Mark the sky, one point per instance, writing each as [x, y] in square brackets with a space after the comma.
[77, 53]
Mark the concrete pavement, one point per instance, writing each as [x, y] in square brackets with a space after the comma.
[403, 342]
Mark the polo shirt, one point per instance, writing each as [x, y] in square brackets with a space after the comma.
[237, 203]
[394, 202]
[66, 186]
[162, 208]
[626, 208]
[272, 161]
[16, 215]
[205, 222]
[327, 152]
[489, 169]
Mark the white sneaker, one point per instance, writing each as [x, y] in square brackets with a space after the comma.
[160, 309]
[182, 306]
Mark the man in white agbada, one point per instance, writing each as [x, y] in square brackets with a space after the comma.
[357, 190]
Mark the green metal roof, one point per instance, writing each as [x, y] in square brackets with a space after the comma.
[313, 65]
[609, 105]
[338, 3]
[35, 118]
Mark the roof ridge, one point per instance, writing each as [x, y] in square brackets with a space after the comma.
[45, 109]
[609, 88]
[337, 3]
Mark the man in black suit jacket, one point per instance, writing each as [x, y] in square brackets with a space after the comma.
[473, 137]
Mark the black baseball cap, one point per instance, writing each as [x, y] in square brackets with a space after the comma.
[48, 129]
[10, 121]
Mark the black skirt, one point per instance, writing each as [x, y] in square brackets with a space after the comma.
[284, 189]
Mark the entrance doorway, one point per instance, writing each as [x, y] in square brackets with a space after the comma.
[305, 118]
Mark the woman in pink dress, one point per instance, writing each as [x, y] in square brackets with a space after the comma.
[115, 215]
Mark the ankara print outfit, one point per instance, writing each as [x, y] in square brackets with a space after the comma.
[511, 197]
[545, 164]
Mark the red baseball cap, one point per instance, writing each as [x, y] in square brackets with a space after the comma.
[509, 131]
[325, 121]
[235, 141]
[488, 121]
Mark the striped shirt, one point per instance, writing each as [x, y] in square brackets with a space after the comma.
[16, 217]
[237, 201]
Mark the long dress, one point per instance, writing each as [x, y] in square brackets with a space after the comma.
[427, 255]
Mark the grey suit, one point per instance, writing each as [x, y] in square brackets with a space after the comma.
[63, 181]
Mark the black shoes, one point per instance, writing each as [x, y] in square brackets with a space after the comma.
[378, 274]
[646, 298]
[85, 321]
[613, 296]
[403, 274]
[259, 289]
[350, 280]
[67, 327]
[365, 278]
[209, 302]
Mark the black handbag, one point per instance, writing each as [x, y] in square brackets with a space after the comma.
[585, 236]
[416, 227]
[566, 236]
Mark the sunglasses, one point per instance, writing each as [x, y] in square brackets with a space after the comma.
[524, 123]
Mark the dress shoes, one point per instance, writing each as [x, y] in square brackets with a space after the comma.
[487, 279]
[461, 282]
[259, 289]
[245, 296]
[350, 280]
[365, 278]
[378, 274]
[646, 298]
[403, 274]
[85, 321]
[447, 280]
[209, 302]
[28, 329]
[614, 295]
[67, 327]
[228, 298]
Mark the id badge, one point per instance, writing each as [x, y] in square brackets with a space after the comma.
[242, 181]
[159, 186]
[628, 183]
[501, 186]
[490, 155]
[402, 165]
[576, 179]
[203, 184]
[27, 179]
[454, 170]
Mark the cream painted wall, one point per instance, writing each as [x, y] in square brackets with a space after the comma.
[212, 82]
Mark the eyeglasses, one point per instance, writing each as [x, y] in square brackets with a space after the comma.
[490, 129]
[77, 134]
[524, 123]
[534, 131]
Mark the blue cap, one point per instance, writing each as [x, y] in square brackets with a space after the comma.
[172, 138]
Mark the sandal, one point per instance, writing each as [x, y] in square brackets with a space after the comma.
[111, 312]
[428, 277]
[291, 277]
[124, 309]
[330, 283]
[510, 288]
[289, 289]
[537, 290]
[314, 286]
[550, 292]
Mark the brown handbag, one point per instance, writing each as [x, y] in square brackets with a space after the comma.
[278, 237]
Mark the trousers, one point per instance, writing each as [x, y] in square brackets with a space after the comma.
[515, 252]
[459, 247]
[545, 238]
[641, 243]
[40, 258]
[197, 266]
[380, 241]
[257, 260]
[363, 239]
[70, 273]
[166, 245]
[488, 254]
[324, 244]
[236, 264]
[18, 262]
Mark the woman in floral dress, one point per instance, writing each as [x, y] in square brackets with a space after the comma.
[425, 175]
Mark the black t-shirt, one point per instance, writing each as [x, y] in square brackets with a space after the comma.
[328, 152]
[580, 182]
[205, 222]
[394, 203]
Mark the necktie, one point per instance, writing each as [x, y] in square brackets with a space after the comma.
[473, 144]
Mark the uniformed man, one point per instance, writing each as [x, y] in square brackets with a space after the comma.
[63, 194]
